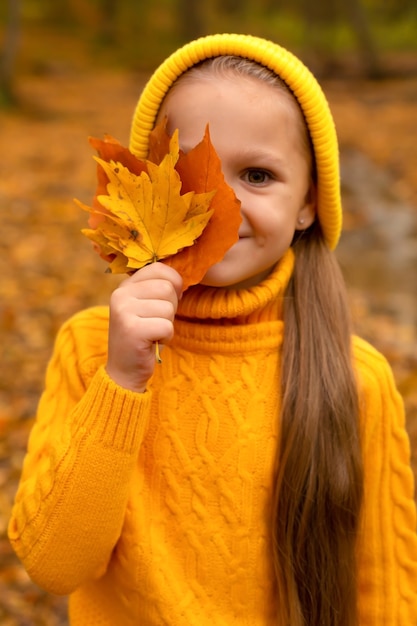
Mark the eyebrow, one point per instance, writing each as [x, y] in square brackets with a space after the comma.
[253, 154]
[258, 154]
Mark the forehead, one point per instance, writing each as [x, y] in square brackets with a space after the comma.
[201, 91]
[242, 112]
[231, 104]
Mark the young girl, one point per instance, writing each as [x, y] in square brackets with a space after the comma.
[260, 475]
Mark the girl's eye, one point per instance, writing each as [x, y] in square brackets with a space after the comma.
[257, 177]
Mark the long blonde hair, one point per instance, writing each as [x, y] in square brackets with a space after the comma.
[319, 481]
[319, 484]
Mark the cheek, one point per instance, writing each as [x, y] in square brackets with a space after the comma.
[271, 221]
[277, 231]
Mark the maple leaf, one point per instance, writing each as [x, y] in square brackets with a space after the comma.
[200, 169]
[110, 149]
[146, 218]
[161, 207]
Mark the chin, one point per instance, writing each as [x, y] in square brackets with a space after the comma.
[237, 282]
[213, 281]
[220, 283]
[217, 276]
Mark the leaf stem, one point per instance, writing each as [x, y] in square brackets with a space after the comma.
[157, 352]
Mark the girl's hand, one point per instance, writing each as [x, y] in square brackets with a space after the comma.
[142, 311]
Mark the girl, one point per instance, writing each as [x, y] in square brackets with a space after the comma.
[260, 475]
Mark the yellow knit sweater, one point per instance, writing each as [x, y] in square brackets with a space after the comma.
[153, 509]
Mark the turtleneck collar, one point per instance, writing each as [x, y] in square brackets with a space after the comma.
[260, 303]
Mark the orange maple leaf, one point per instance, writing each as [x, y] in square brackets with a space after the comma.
[170, 207]
[200, 170]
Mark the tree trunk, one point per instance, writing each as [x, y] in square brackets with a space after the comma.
[108, 24]
[8, 57]
[190, 19]
[359, 23]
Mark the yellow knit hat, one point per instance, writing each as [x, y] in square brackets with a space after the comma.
[298, 78]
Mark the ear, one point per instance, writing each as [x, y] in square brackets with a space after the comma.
[308, 211]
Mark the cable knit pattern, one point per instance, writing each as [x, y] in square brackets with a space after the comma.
[388, 550]
[154, 508]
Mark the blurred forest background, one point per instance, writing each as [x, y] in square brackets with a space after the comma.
[75, 68]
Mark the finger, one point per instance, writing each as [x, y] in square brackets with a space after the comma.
[154, 329]
[158, 271]
[153, 297]
[163, 309]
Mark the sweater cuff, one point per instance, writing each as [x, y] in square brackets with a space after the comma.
[112, 415]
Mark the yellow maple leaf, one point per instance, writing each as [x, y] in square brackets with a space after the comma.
[127, 238]
[144, 217]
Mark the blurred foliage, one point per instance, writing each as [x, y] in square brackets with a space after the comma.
[140, 33]
[333, 37]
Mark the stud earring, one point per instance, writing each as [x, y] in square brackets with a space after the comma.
[301, 220]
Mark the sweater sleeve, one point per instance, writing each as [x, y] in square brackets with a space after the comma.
[388, 545]
[70, 504]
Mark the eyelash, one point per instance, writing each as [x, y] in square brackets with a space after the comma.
[265, 176]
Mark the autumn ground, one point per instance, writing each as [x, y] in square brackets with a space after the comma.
[48, 270]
